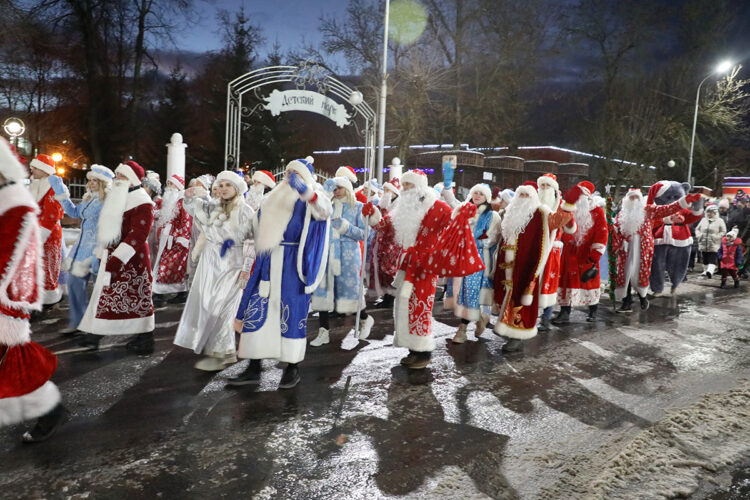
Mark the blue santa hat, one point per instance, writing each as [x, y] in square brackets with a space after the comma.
[303, 168]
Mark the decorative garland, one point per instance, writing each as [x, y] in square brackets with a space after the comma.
[611, 257]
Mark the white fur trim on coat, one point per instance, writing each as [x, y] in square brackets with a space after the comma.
[514, 333]
[14, 331]
[124, 252]
[29, 406]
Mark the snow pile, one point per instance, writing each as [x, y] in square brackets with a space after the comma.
[668, 458]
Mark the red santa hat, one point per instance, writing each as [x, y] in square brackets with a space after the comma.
[416, 177]
[482, 188]
[393, 185]
[635, 191]
[177, 180]
[587, 187]
[132, 171]
[237, 180]
[348, 173]
[44, 163]
[303, 168]
[549, 179]
[265, 177]
[10, 166]
[531, 184]
[656, 191]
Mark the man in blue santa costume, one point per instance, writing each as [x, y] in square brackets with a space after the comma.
[291, 242]
[26, 391]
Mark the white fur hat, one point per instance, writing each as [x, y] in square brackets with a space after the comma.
[235, 179]
[347, 172]
[344, 183]
[102, 173]
[303, 168]
[550, 179]
[482, 188]
[507, 195]
[394, 186]
[265, 177]
[416, 177]
[10, 166]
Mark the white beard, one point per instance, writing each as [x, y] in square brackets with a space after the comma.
[276, 213]
[169, 206]
[110, 217]
[548, 197]
[407, 216]
[38, 188]
[632, 216]
[517, 216]
[583, 218]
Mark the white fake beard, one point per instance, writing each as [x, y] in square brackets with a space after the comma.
[276, 212]
[110, 217]
[583, 218]
[517, 216]
[39, 187]
[548, 197]
[408, 214]
[254, 196]
[632, 216]
[168, 206]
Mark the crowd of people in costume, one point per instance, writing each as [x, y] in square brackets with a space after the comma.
[258, 256]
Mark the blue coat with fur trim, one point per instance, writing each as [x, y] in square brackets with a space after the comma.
[340, 288]
[81, 259]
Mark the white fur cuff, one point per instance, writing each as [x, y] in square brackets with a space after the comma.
[45, 233]
[344, 226]
[124, 252]
[183, 241]
[375, 218]
[526, 300]
[570, 229]
[406, 290]
[14, 331]
[62, 196]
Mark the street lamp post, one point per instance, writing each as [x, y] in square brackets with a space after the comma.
[14, 127]
[383, 90]
[721, 68]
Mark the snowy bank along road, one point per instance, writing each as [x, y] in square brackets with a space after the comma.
[645, 405]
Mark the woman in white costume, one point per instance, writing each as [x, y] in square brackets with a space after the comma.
[207, 321]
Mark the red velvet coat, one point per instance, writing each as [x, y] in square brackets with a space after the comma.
[50, 215]
[24, 365]
[382, 260]
[173, 250]
[579, 253]
[121, 301]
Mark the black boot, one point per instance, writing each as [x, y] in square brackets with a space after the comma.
[143, 343]
[563, 317]
[544, 324]
[91, 341]
[409, 359]
[250, 376]
[47, 425]
[592, 313]
[644, 303]
[291, 376]
[179, 298]
[627, 305]
[513, 345]
[159, 300]
[736, 283]
[387, 302]
[723, 283]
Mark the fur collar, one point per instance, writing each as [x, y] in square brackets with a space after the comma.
[15, 195]
[407, 218]
[274, 216]
[38, 188]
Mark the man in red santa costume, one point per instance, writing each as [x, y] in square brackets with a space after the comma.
[584, 242]
[419, 223]
[26, 391]
[173, 227]
[382, 259]
[50, 214]
[550, 196]
[633, 244]
[526, 229]
[121, 301]
[262, 182]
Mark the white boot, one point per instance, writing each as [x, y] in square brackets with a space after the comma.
[365, 325]
[321, 339]
[213, 364]
[710, 271]
[481, 325]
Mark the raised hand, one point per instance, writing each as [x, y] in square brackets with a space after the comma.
[297, 183]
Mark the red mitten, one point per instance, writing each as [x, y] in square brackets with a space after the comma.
[368, 209]
[573, 195]
[692, 197]
[113, 265]
[468, 210]
[594, 255]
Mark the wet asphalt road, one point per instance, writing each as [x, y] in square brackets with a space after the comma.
[476, 423]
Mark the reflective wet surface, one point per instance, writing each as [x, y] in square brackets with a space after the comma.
[476, 423]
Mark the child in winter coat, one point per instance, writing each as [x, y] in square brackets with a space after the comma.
[730, 257]
[709, 233]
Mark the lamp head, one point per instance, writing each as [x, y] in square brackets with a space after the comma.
[724, 66]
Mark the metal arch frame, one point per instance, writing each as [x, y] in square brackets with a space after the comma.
[307, 74]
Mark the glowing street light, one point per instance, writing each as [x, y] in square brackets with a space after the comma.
[57, 157]
[723, 67]
[14, 127]
[60, 171]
